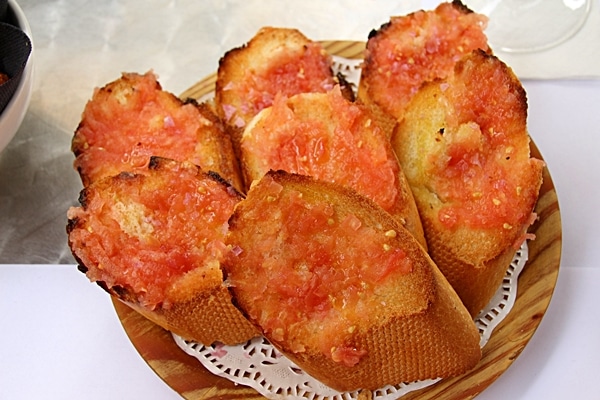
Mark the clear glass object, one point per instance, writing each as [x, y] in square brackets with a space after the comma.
[531, 25]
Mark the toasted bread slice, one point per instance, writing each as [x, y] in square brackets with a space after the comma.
[342, 289]
[156, 241]
[416, 48]
[325, 136]
[275, 60]
[464, 147]
[133, 118]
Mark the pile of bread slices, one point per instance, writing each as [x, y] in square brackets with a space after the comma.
[350, 226]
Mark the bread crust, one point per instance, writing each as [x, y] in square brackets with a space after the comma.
[463, 144]
[396, 350]
[416, 327]
[162, 261]
[207, 318]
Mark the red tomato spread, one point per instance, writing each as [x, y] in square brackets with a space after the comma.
[145, 232]
[417, 48]
[484, 172]
[354, 152]
[311, 267]
[130, 120]
[287, 74]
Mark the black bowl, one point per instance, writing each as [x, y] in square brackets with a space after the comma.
[15, 48]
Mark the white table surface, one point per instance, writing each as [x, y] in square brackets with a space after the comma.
[59, 335]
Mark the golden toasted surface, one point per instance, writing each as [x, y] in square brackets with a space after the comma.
[342, 288]
[132, 118]
[156, 240]
[464, 147]
[325, 136]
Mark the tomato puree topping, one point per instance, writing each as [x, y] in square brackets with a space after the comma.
[288, 73]
[418, 48]
[130, 120]
[147, 232]
[484, 173]
[343, 144]
[311, 267]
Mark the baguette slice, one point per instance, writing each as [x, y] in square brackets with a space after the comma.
[464, 147]
[342, 289]
[156, 241]
[416, 48]
[325, 136]
[275, 60]
[132, 118]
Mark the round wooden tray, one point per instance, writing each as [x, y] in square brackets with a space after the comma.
[536, 285]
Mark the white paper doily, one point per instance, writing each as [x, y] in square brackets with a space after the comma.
[350, 68]
[259, 365]
[504, 299]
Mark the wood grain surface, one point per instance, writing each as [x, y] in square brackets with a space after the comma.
[536, 285]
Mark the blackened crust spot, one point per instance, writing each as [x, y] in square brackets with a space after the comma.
[191, 100]
[228, 54]
[346, 87]
[125, 175]
[375, 32]
[124, 293]
[120, 291]
[76, 148]
[82, 268]
[72, 224]
[460, 6]
[218, 178]
[154, 162]
[158, 162]
[103, 285]
[83, 197]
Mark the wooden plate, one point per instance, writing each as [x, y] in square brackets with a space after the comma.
[536, 285]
